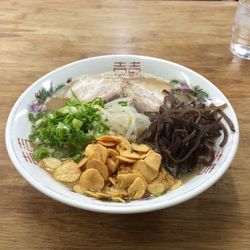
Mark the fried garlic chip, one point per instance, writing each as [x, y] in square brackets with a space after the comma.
[112, 152]
[102, 151]
[83, 162]
[99, 166]
[78, 189]
[129, 154]
[148, 173]
[176, 184]
[153, 160]
[67, 172]
[91, 179]
[126, 179]
[137, 189]
[142, 148]
[117, 199]
[156, 188]
[125, 159]
[109, 138]
[96, 151]
[112, 165]
[50, 164]
[116, 191]
[107, 144]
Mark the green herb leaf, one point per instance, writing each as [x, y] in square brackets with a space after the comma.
[40, 154]
[123, 103]
[200, 93]
[60, 86]
[174, 82]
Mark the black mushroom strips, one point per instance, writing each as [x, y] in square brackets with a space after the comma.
[184, 132]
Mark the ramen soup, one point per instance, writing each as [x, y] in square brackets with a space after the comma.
[125, 138]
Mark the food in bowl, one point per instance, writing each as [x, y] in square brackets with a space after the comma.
[124, 138]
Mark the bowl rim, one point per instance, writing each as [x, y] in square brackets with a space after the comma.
[119, 210]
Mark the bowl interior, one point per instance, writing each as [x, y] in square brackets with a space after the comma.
[20, 151]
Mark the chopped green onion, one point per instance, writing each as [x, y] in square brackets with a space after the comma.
[40, 154]
[67, 129]
[174, 82]
[123, 103]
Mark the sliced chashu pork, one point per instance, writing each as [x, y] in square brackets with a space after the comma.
[144, 99]
[89, 87]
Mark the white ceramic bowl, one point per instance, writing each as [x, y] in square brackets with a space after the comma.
[18, 128]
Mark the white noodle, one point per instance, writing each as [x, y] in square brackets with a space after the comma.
[123, 118]
[132, 125]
